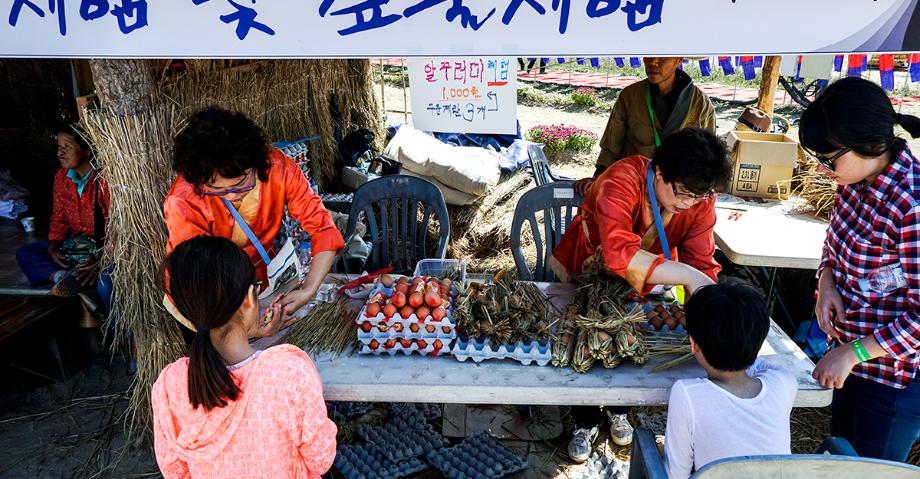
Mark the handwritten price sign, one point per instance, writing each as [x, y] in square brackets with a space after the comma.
[464, 95]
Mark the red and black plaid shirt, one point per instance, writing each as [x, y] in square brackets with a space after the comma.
[874, 226]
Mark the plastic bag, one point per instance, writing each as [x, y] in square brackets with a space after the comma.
[14, 199]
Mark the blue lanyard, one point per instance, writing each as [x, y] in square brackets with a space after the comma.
[658, 223]
[249, 234]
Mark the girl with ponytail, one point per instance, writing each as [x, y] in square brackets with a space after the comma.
[869, 276]
[227, 407]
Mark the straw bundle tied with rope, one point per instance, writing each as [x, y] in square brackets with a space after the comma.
[289, 99]
[133, 153]
[480, 234]
[816, 189]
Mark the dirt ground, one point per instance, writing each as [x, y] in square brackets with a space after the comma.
[75, 428]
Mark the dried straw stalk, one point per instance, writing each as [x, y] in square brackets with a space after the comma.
[289, 99]
[815, 188]
[328, 327]
[133, 154]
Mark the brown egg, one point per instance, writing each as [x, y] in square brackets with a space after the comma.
[656, 322]
[671, 323]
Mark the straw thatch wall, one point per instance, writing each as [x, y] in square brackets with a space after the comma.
[290, 99]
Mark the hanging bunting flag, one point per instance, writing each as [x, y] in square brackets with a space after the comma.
[822, 83]
[619, 61]
[838, 63]
[726, 64]
[798, 68]
[635, 62]
[747, 65]
[865, 59]
[886, 69]
[560, 60]
[596, 62]
[758, 61]
[737, 61]
[580, 61]
[855, 65]
[544, 61]
[914, 67]
[705, 67]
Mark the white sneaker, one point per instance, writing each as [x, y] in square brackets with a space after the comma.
[581, 444]
[621, 432]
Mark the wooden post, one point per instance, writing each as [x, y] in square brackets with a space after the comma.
[766, 97]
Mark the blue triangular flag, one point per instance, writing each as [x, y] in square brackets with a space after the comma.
[758, 61]
[560, 60]
[705, 67]
[580, 61]
[596, 62]
[838, 63]
[635, 62]
[619, 61]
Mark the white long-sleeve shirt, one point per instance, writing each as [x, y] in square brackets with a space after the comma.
[707, 423]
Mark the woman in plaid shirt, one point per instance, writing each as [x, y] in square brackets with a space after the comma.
[869, 277]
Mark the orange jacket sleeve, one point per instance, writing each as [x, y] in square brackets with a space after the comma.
[305, 206]
[183, 221]
[698, 246]
[617, 200]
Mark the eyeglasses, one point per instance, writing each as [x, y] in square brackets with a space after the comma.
[230, 191]
[691, 196]
[828, 162]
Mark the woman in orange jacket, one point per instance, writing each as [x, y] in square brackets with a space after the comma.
[636, 199]
[225, 168]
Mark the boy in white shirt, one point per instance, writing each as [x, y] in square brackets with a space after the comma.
[742, 407]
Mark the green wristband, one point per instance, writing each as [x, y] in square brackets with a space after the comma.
[861, 354]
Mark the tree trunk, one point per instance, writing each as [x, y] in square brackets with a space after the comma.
[123, 85]
[769, 78]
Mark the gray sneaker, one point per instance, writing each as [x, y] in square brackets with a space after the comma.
[581, 444]
[621, 432]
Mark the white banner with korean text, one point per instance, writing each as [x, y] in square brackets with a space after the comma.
[410, 28]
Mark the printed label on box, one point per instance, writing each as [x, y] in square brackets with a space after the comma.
[748, 177]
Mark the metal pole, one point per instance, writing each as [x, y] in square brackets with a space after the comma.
[402, 63]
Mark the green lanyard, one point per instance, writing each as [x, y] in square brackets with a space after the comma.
[651, 113]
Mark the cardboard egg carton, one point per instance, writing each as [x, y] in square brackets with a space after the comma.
[403, 437]
[603, 467]
[479, 456]
[366, 462]
[524, 352]
[421, 346]
[646, 307]
[380, 327]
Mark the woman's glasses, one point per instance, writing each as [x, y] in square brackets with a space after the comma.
[690, 196]
[828, 161]
[230, 191]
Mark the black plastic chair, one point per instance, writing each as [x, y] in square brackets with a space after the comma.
[559, 203]
[539, 166]
[398, 212]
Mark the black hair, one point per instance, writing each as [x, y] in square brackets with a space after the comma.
[696, 158]
[729, 321]
[208, 278]
[855, 113]
[70, 129]
[220, 142]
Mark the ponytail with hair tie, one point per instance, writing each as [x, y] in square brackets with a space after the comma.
[909, 123]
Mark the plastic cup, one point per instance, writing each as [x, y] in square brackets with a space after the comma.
[28, 224]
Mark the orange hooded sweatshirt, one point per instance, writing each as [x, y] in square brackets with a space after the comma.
[276, 428]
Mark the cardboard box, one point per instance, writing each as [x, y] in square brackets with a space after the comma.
[760, 161]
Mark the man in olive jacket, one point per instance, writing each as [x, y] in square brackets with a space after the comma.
[676, 103]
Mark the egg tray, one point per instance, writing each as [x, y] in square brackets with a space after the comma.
[603, 467]
[344, 411]
[366, 462]
[398, 347]
[403, 437]
[479, 456]
[646, 307]
[540, 352]
[443, 330]
[426, 411]
[378, 288]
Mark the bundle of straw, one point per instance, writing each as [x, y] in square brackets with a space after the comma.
[289, 99]
[816, 189]
[327, 327]
[133, 155]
